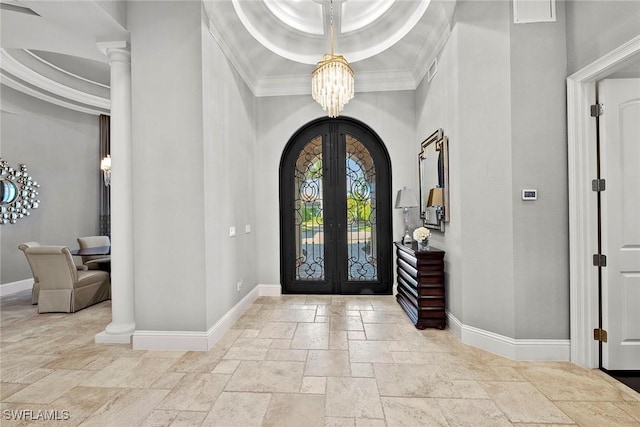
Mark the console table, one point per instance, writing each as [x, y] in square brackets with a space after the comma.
[421, 285]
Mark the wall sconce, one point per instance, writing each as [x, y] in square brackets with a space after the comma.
[406, 199]
[105, 166]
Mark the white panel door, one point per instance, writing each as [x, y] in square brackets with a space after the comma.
[620, 166]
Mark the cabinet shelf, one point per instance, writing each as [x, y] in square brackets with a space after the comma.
[421, 285]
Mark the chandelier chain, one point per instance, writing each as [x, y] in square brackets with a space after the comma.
[332, 81]
[331, 13]
[331, 25]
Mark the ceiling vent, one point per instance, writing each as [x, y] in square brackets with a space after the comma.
[530, 11]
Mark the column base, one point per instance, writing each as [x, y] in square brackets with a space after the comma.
[116, 334]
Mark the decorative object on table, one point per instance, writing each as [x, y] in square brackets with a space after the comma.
[421, 235]
[332, 81]
[433, 162]
[406, 199]
[18, 192]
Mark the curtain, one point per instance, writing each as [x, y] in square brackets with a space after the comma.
[105, 192]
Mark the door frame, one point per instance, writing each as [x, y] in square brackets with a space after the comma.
[384, 218]
[583, 243]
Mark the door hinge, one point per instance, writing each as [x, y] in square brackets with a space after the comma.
[598, 185]
[599, 260]
[597, 110]
[600, 335]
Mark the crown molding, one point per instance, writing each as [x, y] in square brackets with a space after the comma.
[65, 72]
[17, 84]
[367, 81]
[274, 30]
[283, 85]
[425, 57]
[429, 52]
[247, 62]
[237, 58]
[385, 81]
[20, 77]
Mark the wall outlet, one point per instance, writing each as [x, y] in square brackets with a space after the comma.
[239, 286]
[232, 231]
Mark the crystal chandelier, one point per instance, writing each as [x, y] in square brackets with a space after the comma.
[332, 80]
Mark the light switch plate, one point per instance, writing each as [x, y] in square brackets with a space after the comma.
[247, 228]
[232, 231]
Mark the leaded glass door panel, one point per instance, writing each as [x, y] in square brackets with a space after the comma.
[309, 213]
[361, 212]
[335, 210]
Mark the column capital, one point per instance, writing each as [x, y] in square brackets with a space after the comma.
[119, 51]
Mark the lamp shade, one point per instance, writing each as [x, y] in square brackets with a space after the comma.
[406, 198]
[435, 197]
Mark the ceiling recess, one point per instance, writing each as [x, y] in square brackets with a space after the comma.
[13, 7]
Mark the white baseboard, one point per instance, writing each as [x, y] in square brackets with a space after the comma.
[454, 324]
[516, 349]
[201, 341]
[15, 287]
[270, 290]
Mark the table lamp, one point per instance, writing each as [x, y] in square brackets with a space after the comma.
[406, 199]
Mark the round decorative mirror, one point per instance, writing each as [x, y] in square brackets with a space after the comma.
[8, 192]
[18, 193]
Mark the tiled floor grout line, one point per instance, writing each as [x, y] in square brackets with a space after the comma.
[404, 376]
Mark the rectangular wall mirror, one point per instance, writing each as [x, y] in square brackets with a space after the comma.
[433, 168]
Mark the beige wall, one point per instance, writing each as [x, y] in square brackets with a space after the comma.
[539, 158]
[168, 175]
[595, 28]
[506, 260]
[230, 155]
[207, 153]
[61, 150]
[499, 95]
[194, 148]
[389, 114]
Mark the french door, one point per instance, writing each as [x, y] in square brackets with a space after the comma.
[335, 210]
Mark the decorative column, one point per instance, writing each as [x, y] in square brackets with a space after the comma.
[122, 323]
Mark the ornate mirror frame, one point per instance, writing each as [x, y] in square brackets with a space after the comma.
[433, 170]
[18, 193]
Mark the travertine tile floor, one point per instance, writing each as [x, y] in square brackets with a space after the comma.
[290, 361]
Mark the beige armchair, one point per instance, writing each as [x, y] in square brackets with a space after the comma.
[35, 290]
[95, 262]
[36, 287]
[62, 287]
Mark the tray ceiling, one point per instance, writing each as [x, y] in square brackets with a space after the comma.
[274, 44]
